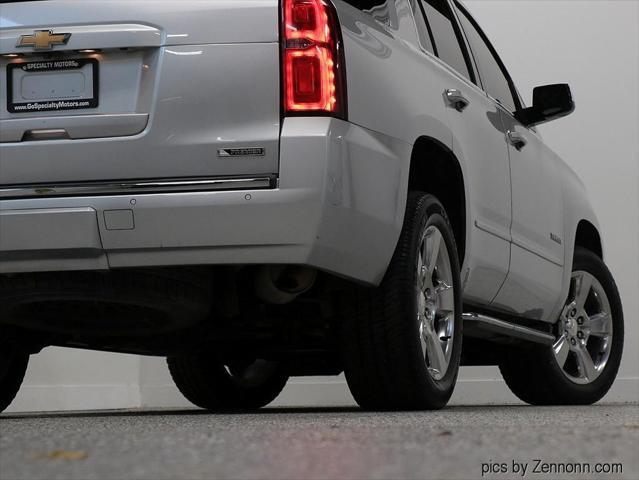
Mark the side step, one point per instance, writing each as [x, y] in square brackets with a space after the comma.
[489, 328]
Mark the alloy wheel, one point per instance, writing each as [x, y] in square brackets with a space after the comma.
[585, 332]
[435, 302]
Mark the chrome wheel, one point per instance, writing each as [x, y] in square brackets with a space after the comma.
[585, 330]
[435, 302]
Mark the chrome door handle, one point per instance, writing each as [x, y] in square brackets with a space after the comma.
[456, 99]
[517, 140]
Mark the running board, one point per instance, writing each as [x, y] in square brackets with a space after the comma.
[483, 326]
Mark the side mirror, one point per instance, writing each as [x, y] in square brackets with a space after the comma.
[549, 103]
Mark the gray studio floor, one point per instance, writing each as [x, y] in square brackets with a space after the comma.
[458, 443]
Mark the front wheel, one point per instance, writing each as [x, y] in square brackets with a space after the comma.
[401, 342]
[581, 366]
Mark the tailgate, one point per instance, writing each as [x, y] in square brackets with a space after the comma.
[112, 90]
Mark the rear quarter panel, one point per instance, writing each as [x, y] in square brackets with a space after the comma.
[397, 89]
[387, 76]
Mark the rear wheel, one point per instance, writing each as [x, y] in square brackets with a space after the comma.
[215, 385]
[13, 366]
[402, 341]
[583, 362]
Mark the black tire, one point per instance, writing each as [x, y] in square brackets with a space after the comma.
[383, 359]
[118, 302]
[534, 375]
[208, 383]
[13, 366]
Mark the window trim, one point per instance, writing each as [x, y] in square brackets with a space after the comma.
[511, 84]
[420, 7]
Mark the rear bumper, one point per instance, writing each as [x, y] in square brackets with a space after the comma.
[338, 206]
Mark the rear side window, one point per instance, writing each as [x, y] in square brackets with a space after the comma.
[493, 78]
[441, 21]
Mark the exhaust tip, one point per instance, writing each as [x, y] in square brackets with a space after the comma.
[281, 284]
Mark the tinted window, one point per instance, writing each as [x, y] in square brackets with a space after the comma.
[422, 27]
[440, 19]
[492, 76]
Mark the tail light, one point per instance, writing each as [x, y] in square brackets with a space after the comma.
[313, 74]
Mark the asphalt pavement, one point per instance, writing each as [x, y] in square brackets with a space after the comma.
[457, 443]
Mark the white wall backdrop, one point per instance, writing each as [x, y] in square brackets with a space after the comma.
[593, 46]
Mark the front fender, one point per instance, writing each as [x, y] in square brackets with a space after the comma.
[577, 207]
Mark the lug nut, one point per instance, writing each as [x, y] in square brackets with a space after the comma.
[573, 312]
[580, 335]
[573, 341]
[580, 320]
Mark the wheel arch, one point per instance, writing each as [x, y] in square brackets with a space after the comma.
[435, 169]
[588, 237]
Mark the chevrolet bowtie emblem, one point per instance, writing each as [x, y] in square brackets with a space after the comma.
[43, 40]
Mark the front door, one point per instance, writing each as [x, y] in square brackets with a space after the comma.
[537, 256]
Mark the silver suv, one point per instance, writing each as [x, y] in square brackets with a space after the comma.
[263, 189]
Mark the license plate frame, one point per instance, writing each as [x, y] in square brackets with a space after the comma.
[71, 64]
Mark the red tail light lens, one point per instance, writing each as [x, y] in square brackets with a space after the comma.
[313, 73]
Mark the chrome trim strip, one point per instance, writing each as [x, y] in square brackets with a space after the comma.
[134, 187]
[519, 242]
[13, 130]
[495, 325]
[492, 230]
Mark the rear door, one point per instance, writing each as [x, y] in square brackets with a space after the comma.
[100, 91]
[478, 142]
